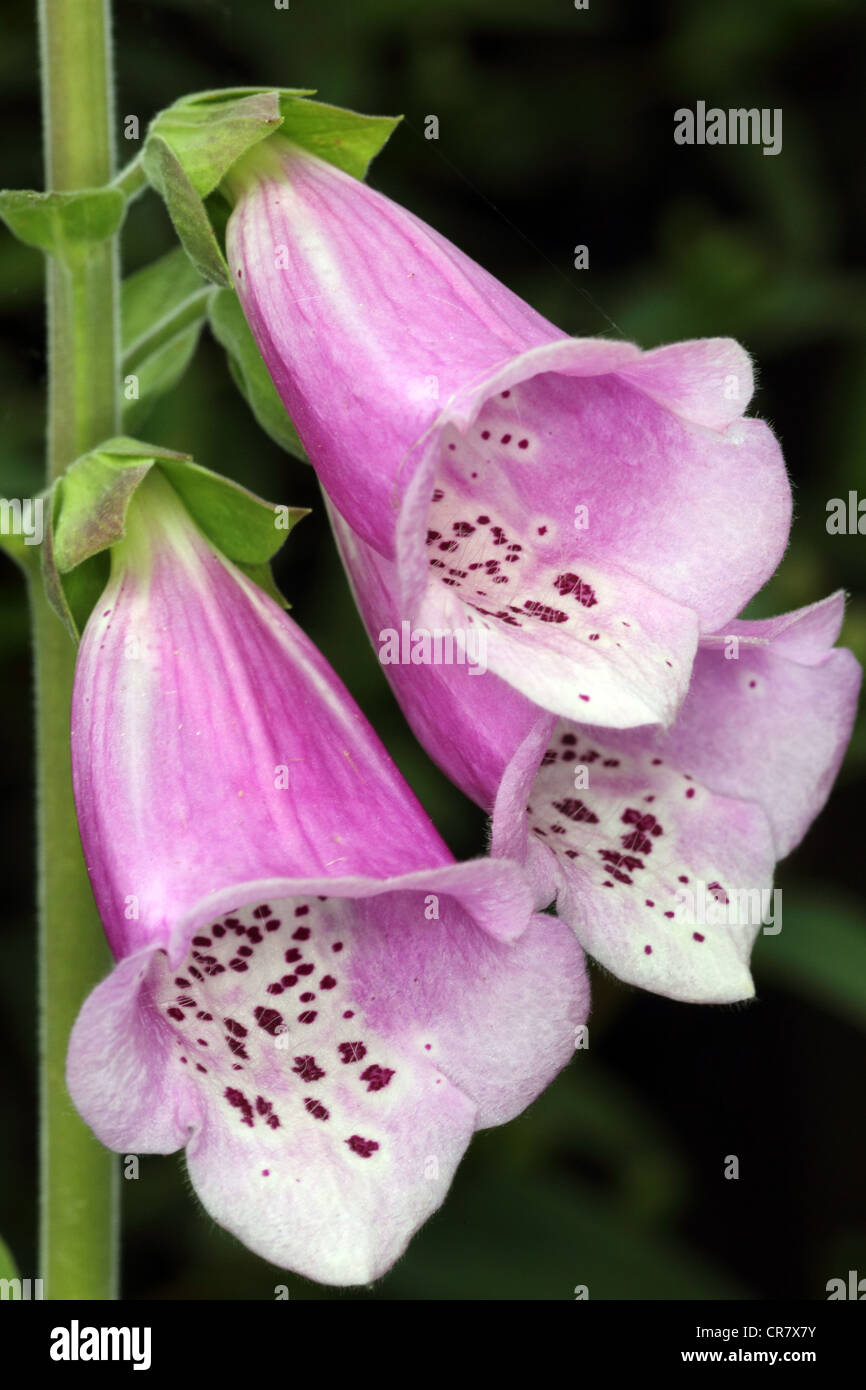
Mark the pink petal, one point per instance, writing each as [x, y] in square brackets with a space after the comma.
[469, 724]
[708, 381]
[632, 823]
[595, 470]
[771, 725]
[212, 745]
[631, 849]
[327, 1061]
[410, 372]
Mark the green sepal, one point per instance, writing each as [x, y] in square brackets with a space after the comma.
[88, 510]
[210, 130]
[163, 308]
[192, 145]
[345, 138]
[60, 599]
[231, 330]
[244, 527]
[63, 224]
[189, 149]
[186, 210]
[263, 576]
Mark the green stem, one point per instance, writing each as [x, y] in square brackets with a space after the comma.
[132, 179]
[78, 1176]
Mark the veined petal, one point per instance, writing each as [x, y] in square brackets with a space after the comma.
[117, 1062]
[661, 878]
[577, 644]
[586, 466]
[312, 997]
[664, 843]
[760, 736]
[325, 269]
[213, 745]
[770, 713]
[709, 381]
[469, 723]
[326, 1061]
[428, 396]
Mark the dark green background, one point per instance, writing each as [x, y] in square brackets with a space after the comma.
[556, 128]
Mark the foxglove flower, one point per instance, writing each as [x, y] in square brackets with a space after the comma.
[593, 508]
[658, 845]
[309, 995]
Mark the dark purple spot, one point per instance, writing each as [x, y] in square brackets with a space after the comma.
[544, 612]
[240, 1102]
[269, 1019]
[576, 811]
[572, 584]
[305, 1067]
[363, 1147]
[377, 1077]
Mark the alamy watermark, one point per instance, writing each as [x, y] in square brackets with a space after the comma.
[22, 518]
[710, 905]
[20, 1289]
[737, 126]
[421, 646]
[77, 1343]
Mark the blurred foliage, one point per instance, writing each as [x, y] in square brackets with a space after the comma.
[555, 130]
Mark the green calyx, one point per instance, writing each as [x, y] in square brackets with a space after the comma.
[193, 147]
[88, 511]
